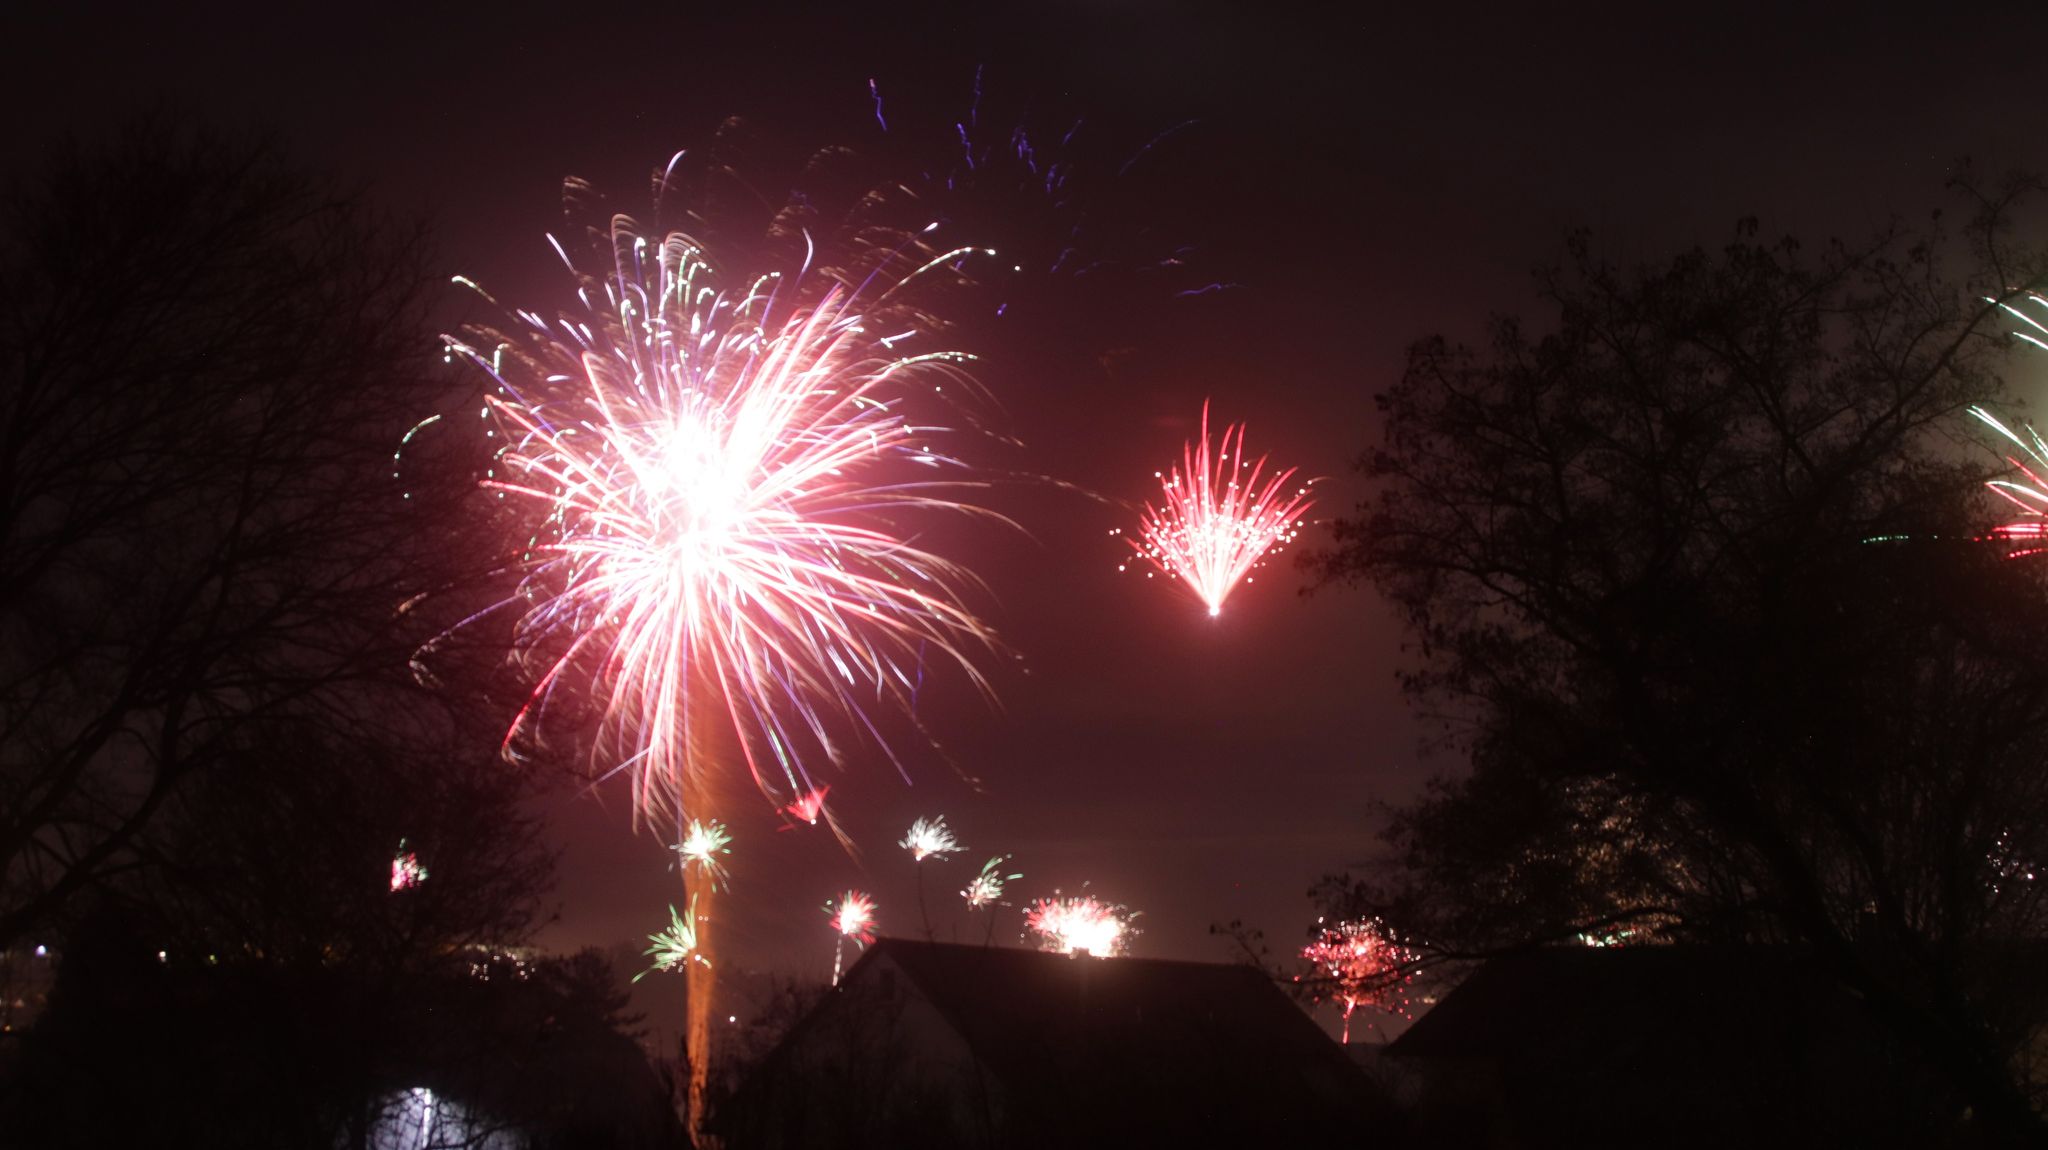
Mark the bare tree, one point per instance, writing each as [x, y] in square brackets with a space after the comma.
[207, 358]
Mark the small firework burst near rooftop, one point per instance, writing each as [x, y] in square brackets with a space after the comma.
[1361, 963]
[930, 838]
[854, 916]
[1079, 924]
[1219, 516]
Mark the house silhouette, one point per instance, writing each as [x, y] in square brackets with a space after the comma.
[1688, 1045]
[929, 1044]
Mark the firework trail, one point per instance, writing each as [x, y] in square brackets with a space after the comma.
[671, 949]
[721, 474]
[1079, 924]
[1361, 963]
[852, 917]
[702, 844]
[1216, 523]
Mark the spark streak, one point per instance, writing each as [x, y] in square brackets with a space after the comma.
[2031, 496]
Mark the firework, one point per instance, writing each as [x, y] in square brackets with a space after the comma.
[809, 807]
[1219, 517]
[406, 869]
[671, 949]
[1079, 924]
[702, 843]
[2031, 496]
[930, 838]
[853, 917]
[1361, 963]
[720, 476]
[986, 888]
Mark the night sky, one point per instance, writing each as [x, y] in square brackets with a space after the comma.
[1357, 181]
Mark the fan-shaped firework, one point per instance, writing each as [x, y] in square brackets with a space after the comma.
[672, 948]
[929, 838]
[1361, 963]
[1079, 923]
[1219, 517]
[986, 888]
[702, 843]
[722, 472]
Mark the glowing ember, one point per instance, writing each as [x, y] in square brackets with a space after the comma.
[722, 476]
[1361, 963]
[677, 945]
[986, 888]
[702, 843]
[1215, 522]
[406, 869]
[1079, 924]
[929, 838]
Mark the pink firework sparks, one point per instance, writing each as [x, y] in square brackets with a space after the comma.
[808, 806]
[1079, 924]
[1219, 516]
[854, 917]
[1361, 963]
[721, 477]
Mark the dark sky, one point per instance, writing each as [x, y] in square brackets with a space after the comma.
[1362, 179]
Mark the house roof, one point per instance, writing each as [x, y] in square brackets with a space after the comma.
[1141, 1035]
[1678, 1045]
[1613, 1003]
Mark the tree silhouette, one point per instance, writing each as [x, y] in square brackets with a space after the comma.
[207, 358]
[1691, 579]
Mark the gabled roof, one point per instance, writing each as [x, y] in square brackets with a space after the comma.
[1678, 1045]
[1610, 1003]
[1140, 1036]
